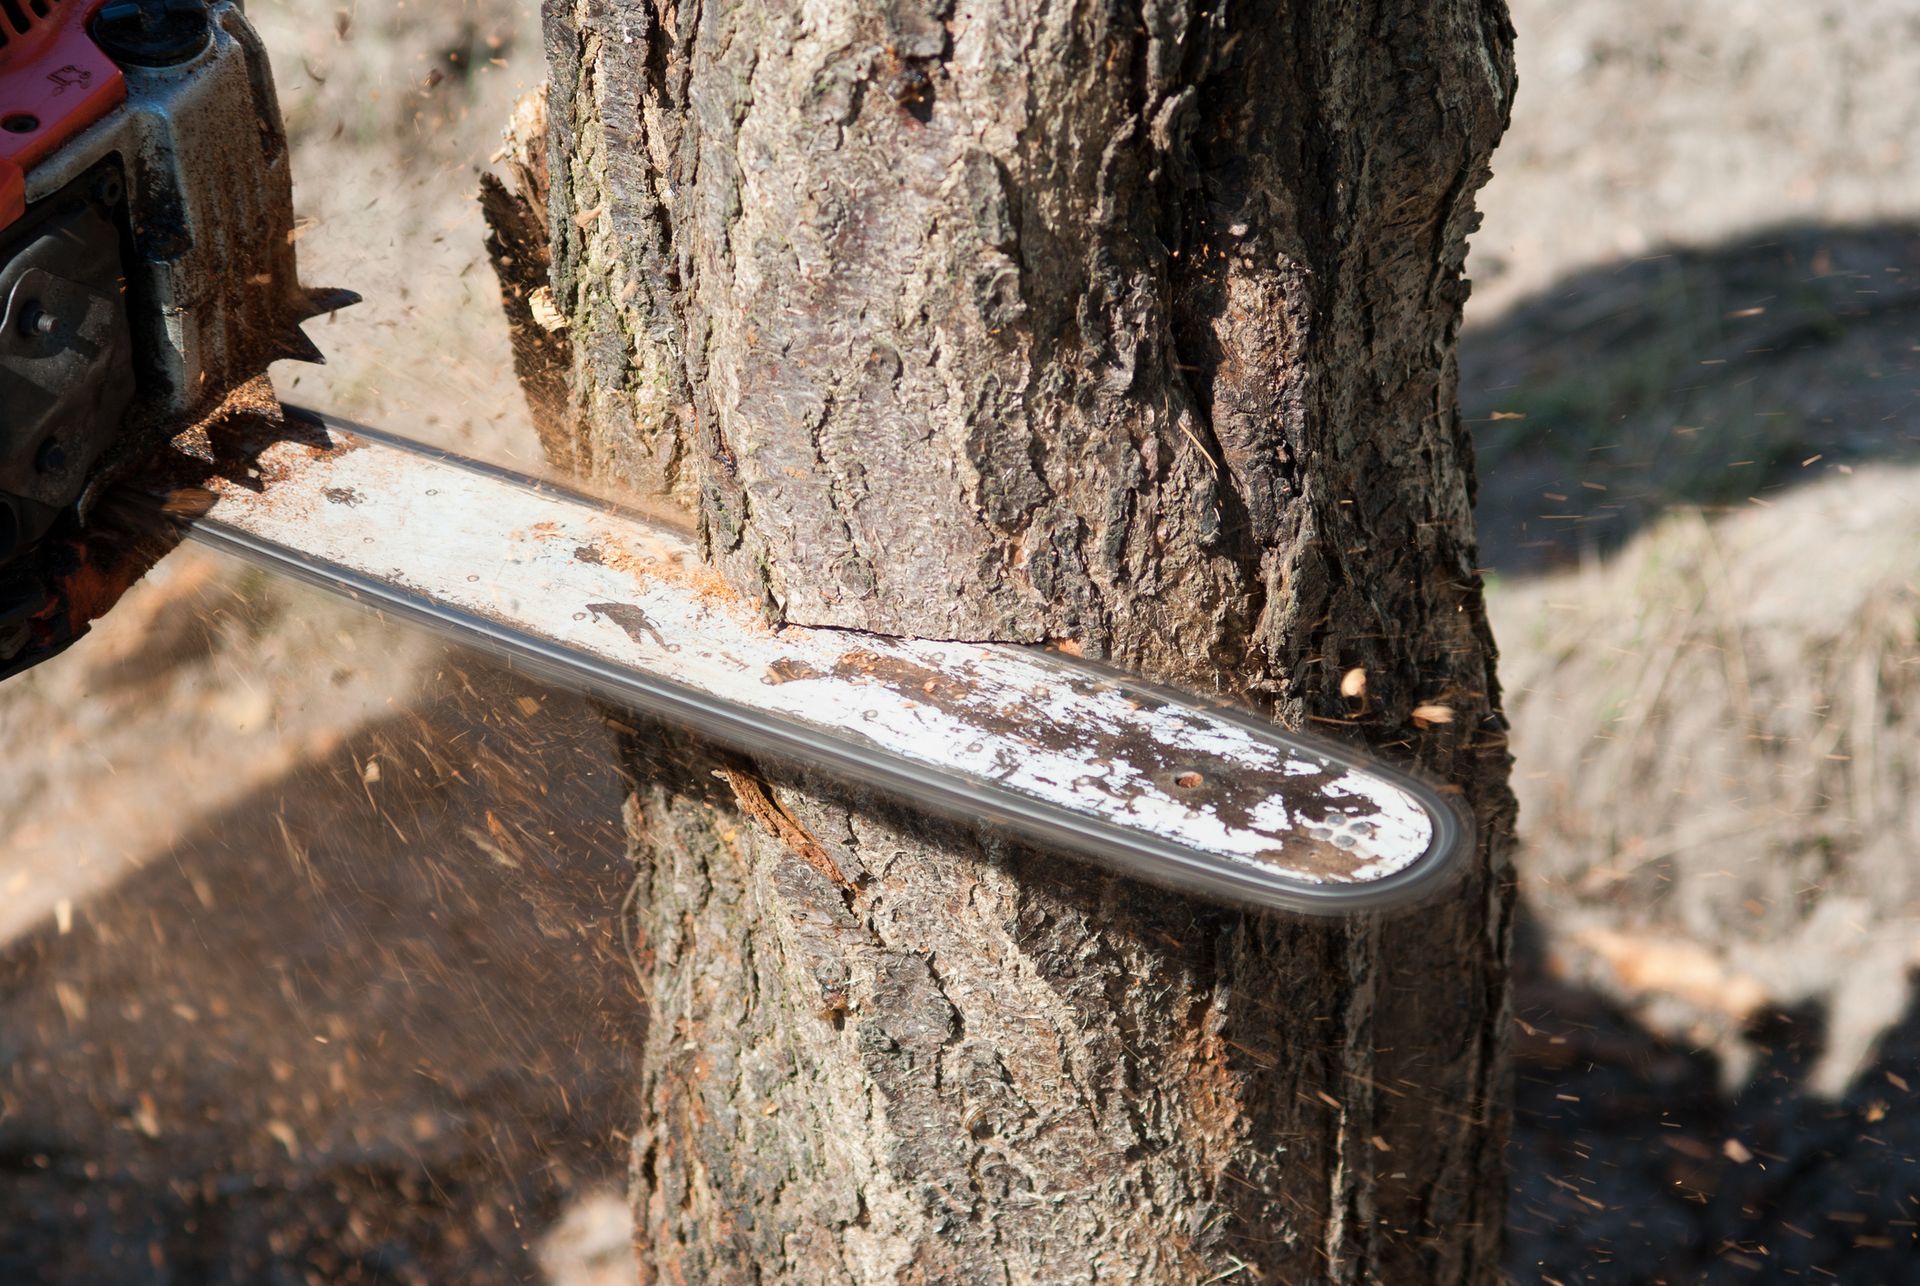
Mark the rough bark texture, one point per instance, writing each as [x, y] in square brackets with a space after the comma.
[1130, 326]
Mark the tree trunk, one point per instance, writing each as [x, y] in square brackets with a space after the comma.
[1125, 327]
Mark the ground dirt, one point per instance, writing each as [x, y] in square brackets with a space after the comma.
[1692, 366]
[310, 954]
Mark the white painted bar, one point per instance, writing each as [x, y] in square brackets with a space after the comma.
[1065, 755]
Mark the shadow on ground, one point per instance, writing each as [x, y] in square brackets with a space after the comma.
[1715, 381]
[371, 1024]
[1692, 377]
[1633, 1163]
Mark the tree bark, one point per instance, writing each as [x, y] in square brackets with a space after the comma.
[1126, 327]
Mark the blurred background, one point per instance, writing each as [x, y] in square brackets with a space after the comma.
[311, 964]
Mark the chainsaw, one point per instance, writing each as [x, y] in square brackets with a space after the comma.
[147, 281]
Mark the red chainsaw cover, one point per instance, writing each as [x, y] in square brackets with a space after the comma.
[54, 82]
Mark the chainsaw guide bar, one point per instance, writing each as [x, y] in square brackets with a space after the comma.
[1063, 754]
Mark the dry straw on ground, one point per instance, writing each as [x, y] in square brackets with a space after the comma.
[1719, 750]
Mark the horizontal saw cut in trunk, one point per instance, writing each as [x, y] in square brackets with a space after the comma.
[1127, 329]
[1060, 752]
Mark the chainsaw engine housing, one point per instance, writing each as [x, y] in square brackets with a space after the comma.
[146, 260]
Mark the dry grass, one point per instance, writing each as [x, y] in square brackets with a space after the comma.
[1718, 739]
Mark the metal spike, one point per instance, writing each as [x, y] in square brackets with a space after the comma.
[294, 346]
[318, 301]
